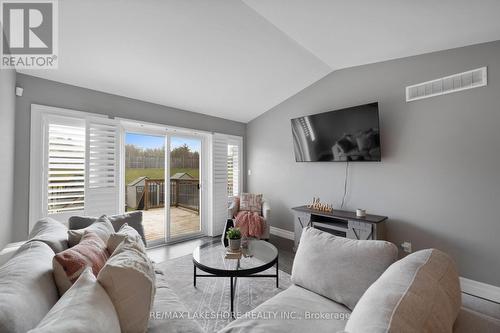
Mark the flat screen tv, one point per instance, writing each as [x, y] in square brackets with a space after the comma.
[350, 134]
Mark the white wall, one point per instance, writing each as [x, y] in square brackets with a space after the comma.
[7, 122]
[439, 179]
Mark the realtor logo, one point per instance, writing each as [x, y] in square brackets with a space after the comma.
[29, 34]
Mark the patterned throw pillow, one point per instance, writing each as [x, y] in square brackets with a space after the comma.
[251, 202]
[70, 263]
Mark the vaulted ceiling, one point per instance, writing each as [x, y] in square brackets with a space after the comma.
[237, 59]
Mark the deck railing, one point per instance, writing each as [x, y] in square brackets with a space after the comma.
[183, 193]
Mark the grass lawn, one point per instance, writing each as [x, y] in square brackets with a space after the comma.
[156, 173]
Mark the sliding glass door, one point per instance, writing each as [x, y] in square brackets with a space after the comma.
[184, 218]
[145, 182]
[162, 179]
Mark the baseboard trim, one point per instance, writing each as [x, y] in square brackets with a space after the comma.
[480, 289]
[282, 233]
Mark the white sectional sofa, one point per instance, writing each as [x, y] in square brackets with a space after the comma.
[343, 285]
[28, 290]
[339, 285]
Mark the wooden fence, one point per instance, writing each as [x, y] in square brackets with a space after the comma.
[144, 162]
[183, 193]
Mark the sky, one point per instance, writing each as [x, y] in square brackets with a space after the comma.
[150, 141]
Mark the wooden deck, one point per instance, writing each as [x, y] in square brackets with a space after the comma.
[183, 221]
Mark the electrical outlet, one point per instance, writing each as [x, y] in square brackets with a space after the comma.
[406, 246]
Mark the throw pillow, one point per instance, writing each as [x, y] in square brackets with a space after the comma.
[251, 202]
[124, 232]
[85, 307]
[338, 268]
[27, 289]
[419, 293]
[51, 232]
[129, 279]
[69, 264]
[102, 227]
[133, 219]
[80, 222]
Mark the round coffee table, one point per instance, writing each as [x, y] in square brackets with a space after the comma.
[258, 257]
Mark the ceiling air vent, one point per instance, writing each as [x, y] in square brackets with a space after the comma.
[449, 84]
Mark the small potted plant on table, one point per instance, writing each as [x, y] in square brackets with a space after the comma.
[234, 237]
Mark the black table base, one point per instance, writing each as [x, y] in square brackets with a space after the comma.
[234, 275]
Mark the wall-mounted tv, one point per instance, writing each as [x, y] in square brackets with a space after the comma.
[350, 134]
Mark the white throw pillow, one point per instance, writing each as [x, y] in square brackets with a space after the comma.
[124, 232]
[129, 279]
[338, 268]
[419, 293]
[85, 307]
[102, 227]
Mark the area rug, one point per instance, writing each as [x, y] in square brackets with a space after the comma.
[212, 295]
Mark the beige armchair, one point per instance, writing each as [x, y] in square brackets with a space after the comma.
[233, 210]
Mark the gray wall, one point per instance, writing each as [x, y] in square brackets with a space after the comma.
[45, 92]
[439, 179]
[7, 117]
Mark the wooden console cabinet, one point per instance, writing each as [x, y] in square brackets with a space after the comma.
[340, 223]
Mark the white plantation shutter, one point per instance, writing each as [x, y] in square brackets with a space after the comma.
[220, 199]
[227, 161]
[65, 165]
[236, 170]
[233, 169]
[102, 192]
[74, 164]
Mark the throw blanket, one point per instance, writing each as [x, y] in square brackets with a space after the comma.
[251, 224]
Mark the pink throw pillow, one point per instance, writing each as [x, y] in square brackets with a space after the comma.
[69, 264]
